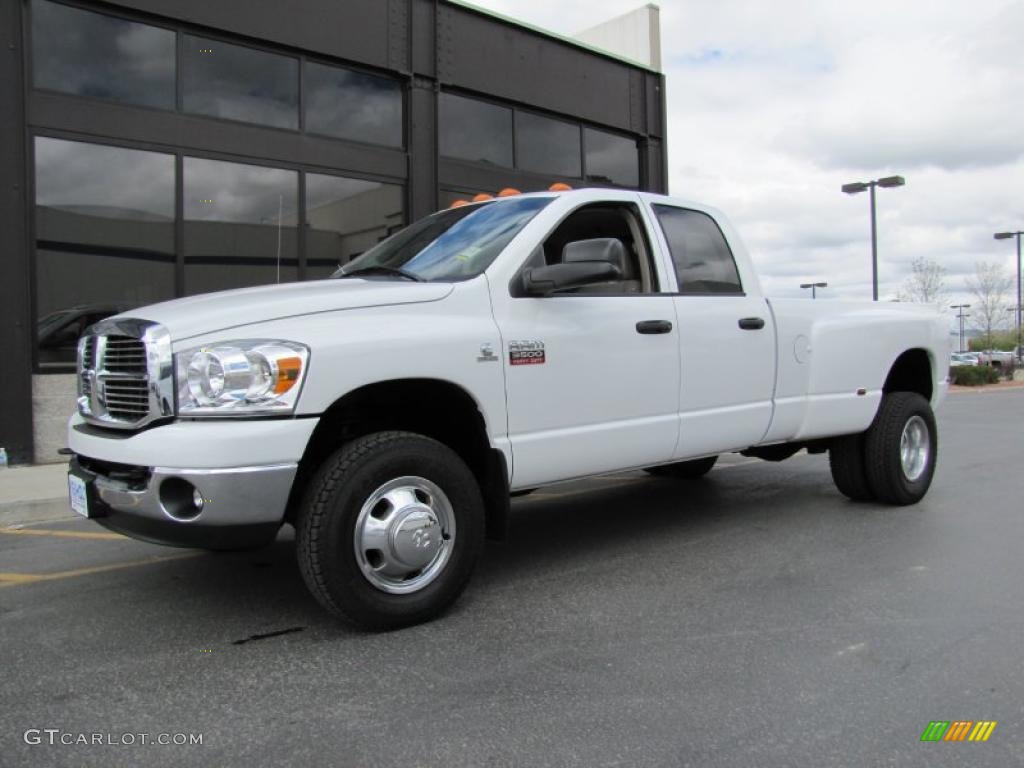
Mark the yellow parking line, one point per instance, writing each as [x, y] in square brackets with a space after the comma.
[14, 579]
[62, 534]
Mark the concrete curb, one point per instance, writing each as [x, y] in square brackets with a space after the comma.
[34, 494]
[36, 511]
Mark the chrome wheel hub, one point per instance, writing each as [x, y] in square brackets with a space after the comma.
[404, 535]
[915, 448]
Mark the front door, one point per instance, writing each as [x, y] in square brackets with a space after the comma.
[592, 375]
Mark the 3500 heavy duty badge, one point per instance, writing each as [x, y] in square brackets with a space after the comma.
[526, 352]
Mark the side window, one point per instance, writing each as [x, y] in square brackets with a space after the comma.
[703, 261]
[616, 220]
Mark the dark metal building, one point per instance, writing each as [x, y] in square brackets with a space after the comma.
[162, 148]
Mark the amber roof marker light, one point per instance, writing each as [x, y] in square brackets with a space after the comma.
[509, 192]
[558, 186]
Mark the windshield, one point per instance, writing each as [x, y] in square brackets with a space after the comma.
[452, 245]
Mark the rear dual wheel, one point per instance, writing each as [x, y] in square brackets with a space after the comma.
[893, 462]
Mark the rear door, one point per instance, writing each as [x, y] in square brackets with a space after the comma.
[726, 338]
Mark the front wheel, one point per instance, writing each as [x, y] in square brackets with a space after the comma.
[900, 449]
[390, 530]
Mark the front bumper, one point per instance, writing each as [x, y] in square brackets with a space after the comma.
[242, 507]
[142, 485]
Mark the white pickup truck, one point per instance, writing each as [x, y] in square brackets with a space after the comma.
[390, 412]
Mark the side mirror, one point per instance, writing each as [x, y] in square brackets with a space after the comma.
[609, 250]
[541, 281]
[584, 262]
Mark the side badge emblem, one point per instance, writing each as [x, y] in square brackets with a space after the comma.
[487, 353]
[526, 353]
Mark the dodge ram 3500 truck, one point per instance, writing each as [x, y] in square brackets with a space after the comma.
[388, 413]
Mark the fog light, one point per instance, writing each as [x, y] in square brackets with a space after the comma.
[180, 499]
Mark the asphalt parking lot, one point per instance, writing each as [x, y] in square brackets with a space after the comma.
[755, 618]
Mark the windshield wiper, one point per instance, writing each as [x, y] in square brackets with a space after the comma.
[382, 270]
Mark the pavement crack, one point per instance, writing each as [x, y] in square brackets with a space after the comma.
[265, 635]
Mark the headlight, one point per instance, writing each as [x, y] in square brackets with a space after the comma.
[240, 378]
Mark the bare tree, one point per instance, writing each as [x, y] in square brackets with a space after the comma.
[990, 286]
[926, 284]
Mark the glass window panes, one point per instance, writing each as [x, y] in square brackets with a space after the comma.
[106, 213]
[239, 83]
[352, 105]
[547, 146]
[345, 217]
[702, 258]
[475, 130]
[100, 56]
[240, 225]
[612, 159]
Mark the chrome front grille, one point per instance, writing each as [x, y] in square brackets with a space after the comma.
[126, 399]
[122, 354]
[125, 377]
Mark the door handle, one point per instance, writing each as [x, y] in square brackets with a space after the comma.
[752, 323]
[654, 326]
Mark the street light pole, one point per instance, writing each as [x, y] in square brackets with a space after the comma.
[961, 308]
[860, 186]
[814, 288]
[1007, 236]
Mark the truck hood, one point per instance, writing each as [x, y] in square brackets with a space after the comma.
[211, 312]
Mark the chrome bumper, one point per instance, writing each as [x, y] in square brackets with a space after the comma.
[230, 496]
[241, 506]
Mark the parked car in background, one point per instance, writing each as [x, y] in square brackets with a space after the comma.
[961, 358]
[996, 358]
[58, 332]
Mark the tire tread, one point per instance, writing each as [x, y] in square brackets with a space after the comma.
[333, 473]
[882, 463]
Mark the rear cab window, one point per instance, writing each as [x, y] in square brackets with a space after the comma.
[702, 259]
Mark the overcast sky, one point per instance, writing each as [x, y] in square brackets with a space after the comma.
[774, 105]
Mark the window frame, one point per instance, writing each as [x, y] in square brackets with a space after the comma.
[30, 64]
[656, 220]
[525, 173]
[403, 91]
[482, 100]
[516, 112]
[585, 165]
[304, 211]
[33, 235]
[182, 28]
[659, 289]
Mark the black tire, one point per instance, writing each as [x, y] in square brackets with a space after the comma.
[326, 525]
[846, 460]
[684, 469]
[887, 478]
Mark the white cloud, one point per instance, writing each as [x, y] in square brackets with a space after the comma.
[773, 106]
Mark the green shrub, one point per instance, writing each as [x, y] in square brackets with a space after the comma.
[1004, 340]
[973, 375]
